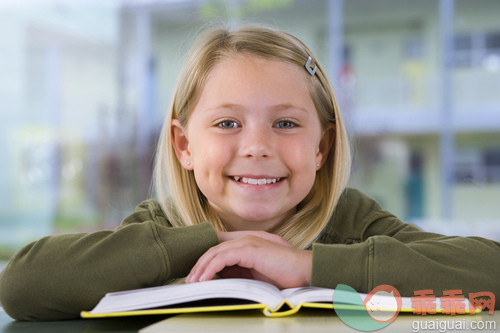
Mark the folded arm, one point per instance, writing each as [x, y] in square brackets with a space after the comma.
[59, 276]
[377, 248]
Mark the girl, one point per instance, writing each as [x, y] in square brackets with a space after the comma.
[251, 176]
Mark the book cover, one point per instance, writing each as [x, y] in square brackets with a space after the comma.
[228, 295]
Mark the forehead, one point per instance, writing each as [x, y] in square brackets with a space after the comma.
[249, 63]
[243, 75]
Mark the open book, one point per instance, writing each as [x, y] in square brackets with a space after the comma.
[221, 295]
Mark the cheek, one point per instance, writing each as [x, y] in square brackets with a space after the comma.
[301, 155]
[300, 159]
[202, 149]
[209, 157]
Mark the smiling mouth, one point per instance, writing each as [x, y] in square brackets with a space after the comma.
[255, 181]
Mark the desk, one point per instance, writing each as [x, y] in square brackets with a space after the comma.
[307, 321]
[8, 325]
[236, 321]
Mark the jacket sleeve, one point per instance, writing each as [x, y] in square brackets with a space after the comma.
[56, 277]
[373, 247]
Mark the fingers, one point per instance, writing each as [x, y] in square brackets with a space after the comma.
[235, 252]
[254, 257]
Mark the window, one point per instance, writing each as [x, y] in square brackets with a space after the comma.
[492, 43]
[476, 49]
[478, 166]
[491, 159]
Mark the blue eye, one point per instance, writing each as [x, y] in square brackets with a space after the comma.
[227, 124]
[285, 124]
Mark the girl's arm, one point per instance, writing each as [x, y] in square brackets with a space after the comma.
[373, 247]
[59, 276]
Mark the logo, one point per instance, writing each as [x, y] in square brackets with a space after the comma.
[452, 302]
[379, 308]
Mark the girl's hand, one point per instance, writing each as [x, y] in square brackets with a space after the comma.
[254, 255]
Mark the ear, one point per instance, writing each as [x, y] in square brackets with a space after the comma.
[181, 144]
[325, 145]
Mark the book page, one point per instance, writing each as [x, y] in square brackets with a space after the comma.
[153, 297]
[297, 296]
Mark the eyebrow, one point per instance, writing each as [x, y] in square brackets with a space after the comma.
[289, 106]
[278, 107]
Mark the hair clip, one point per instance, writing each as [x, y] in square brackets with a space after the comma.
[311, 71]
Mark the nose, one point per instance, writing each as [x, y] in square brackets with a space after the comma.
[256, 142]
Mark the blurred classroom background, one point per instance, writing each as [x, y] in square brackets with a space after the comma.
[85, 84]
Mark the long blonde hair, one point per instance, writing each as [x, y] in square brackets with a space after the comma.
[176, 188]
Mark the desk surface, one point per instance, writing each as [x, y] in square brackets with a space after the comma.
[8, 325]
[239, 321]
[312, 321]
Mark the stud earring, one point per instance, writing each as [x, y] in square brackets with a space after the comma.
[317, 165]
[188, 163]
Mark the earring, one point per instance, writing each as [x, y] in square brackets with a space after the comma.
[188, 163]
[317, 165]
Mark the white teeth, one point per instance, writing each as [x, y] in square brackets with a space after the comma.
[254, 181]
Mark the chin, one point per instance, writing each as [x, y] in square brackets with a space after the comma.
[256, 218]
[268, 220]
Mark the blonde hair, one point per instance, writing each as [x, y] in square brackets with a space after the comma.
[176, 188]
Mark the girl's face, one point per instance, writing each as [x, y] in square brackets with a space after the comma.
[254, 141]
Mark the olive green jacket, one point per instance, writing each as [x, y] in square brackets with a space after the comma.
[362, 246]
